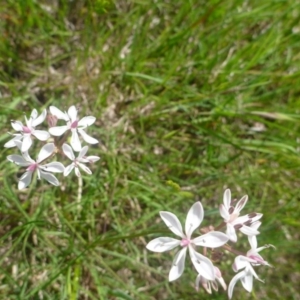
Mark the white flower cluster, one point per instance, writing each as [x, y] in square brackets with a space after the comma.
[25, 135]
[209, 275]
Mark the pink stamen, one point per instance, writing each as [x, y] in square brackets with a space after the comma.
[32, 167]
[26, 129]
[74, 124]
[185, 242]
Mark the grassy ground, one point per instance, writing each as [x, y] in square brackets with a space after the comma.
[204, 94]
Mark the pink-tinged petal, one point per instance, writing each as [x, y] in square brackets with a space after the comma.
[68, 151]
[247, 282]
[224, 212]
[85, 168]
[26, 143]
[41, 135]
[83, 152]
[233, 282]
[87, 138]
[230, 231]
[45, 152]
[17, 125]
[227, 199]
[77, 172]
[204, 282]
[49, 177]
[72, 112]
[58, 130]
[162, 244]
[25, 180]
[194, 218]
[213, 239]
[18, 160]
[59, 114]
[68, 169]
[202, 264]
[220, 278]
[240, 205]
[12, 143]
[178, 265]
[75, 142]
[40, 119]
[241, 262]
[172, 223]
[55, 167]
[87, 121]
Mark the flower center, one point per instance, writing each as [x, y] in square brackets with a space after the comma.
[185, 242]
[26, 129]
[32, 167]
[74, 124]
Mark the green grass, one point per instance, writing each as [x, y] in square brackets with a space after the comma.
[178, 89]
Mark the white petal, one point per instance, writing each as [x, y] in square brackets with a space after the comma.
[83, 151]
[17, 125]
[68, 151]
[85, 168]
[162, 244]
[194, 218]
[172, 222]
[18, 160]
[45, 152]
[26, 143]
[178, 265]
[55, 167]
[212, 239]
[87, 138]
[233, 282]
[240, 205]
[72, 112]
[58, 113]
[90, 159]
[224, 212]
[34, 114]
[227, 199]
[252, 241]
[25, 180]
[75, 142]
[77, 172]
[230, 231]
[11, 143]
[248, 230]
[87, 121]
[241, 262]
[49, 177]
[41, 135]
[247, 282]
[202, 264]
[68, 169]
[40, 119]
[58, 130]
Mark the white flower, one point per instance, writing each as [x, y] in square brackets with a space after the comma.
[42, 170]
[211, 240]
[233, 221]
[27, 131]
[76, 126]
[246, 263]
[208, 284]
[79, 161]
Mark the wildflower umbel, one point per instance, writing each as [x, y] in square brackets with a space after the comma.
[208, 275]
[23, 140]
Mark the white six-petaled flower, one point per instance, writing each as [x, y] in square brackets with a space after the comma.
[27, 131]
[79, 161]
[76, 126]
[233, 221]
[212, 239]
[43, 171]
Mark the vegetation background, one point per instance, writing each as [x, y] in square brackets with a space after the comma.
[191, 97]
